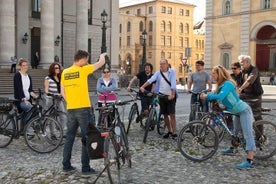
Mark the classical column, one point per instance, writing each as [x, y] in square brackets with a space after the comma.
[47, 38]
[82, 25]
[7, 31]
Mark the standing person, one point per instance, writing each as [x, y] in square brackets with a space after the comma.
[52, 86]
[23, 90]
[74, 89]
[35, 61]
[198, 80]
[227, 95]
[236, 73]
[165, 85]
[251, 87]
[13, 64]
[143, 77]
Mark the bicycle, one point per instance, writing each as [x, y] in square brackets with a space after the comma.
[201, 142]
[37, 127]
[116, 147]
[196, 112]
[155, 116]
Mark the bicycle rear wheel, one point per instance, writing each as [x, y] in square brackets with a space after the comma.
[111, 161]
[161, 126]
[133, 115]
[43, 134]
[197, 141]
[150, 121]
[125, 153]
[7, 129]
[265, 139]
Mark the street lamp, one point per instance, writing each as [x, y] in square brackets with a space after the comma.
[103, 48]
[144, 36]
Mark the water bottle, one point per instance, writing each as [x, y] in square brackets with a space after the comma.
[118, 133]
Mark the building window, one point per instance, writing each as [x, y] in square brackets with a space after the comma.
[181, 28]
[169, 10]
[181, 12]
[141, 26]
[36, 8]
[128, 26]
[163, 26]
[266, 4]
[163, 40]
[150, 40]
[196, 43]
[169, 55]
[187, 13]
[169, 41]
[120, 28]
[169, 27]
[186, 42]
[181, 42]
[226, 60]
[163, 9]
[139, 12]
[90, 8]
[150, 26]
[150, 10]
[128, 40]
[186, 28]
[227, 8]
[127, 12]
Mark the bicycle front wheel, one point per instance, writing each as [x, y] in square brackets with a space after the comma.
[125, 153]
[211, 121]
[150, 121]
[161, 126]
[43, 134]
[265, 139]
[198, 141]
[7, 129]
[133, 115]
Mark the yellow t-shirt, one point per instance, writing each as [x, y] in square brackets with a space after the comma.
[74, 79]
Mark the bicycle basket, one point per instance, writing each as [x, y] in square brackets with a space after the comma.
[217, 106]
[5, 105]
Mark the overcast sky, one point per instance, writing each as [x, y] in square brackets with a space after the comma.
[199, 12]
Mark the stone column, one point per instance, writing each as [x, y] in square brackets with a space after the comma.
[7, 31]
[47, 37]
[82, 25]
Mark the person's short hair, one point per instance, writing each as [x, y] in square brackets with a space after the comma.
[244, 58]
[148, 64]
[22, 60]
[80, 54]
[200, 63]
[237, 64]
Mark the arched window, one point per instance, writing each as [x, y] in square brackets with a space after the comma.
[266, 4]
[150, 26]
[128, 26]
[197, 44]
[181, 28]
[141, 26]
[226, 9]
[163, 26]
[169, 27]
[226, 60]
[186, 28]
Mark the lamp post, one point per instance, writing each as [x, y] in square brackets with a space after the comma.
[144, 36]
[103, 47]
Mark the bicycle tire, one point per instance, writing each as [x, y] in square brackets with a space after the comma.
[43, 134]
[265, 139]
[197, 141]
[126, 156]
[149, 122]
[133, 111]
[209, 119]
[7, 129]
[111, 161]
[161, 125]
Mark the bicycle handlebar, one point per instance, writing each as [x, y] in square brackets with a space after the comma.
[198, 93]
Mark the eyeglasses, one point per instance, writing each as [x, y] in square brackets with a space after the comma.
[234, 68]
[106, 72]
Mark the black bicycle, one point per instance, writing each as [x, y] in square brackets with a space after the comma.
[116, 147]
[196, 112]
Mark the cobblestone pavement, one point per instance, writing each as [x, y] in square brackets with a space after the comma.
[158, 161]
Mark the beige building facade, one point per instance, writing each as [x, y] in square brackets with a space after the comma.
[57, 28]
[237, 27]
[169, 28]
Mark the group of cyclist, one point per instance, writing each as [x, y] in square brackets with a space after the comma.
[72, 85]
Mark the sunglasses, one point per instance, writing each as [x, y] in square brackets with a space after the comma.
[234, 68]
[57, 68]
[106, 72]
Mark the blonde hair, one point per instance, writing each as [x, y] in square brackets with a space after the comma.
[223, 76]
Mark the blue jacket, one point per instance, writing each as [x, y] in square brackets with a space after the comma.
[228, 97]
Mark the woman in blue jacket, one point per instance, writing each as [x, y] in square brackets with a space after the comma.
[227, 95]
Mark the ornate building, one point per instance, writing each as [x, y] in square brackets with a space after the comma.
[237, 27]
[169, 28]
[57, 28]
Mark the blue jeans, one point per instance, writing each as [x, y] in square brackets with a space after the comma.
[203, 103]
[26, 116]
[245, 123]
[77, 118]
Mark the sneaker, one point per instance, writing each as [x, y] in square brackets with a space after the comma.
[167, 135]
[229, 151]
[244, 165]
[174, 137]
[69, 170]
[89, 173]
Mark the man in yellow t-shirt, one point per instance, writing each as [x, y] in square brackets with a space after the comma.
[74, 89]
